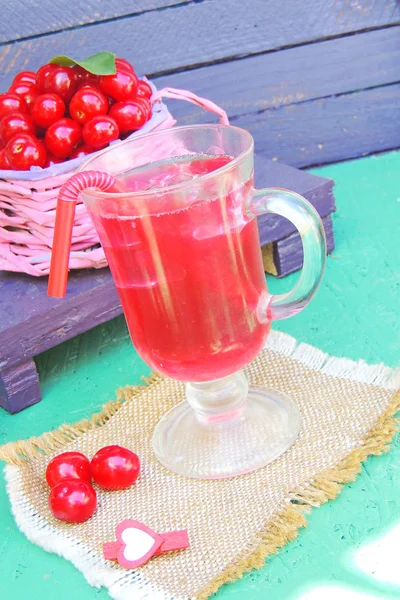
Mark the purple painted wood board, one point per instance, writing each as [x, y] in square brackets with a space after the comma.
[288, 252]
[189, 34]
[317, 190]
[31, 322]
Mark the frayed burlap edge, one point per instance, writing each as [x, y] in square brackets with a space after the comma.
[22, 451]
[286, 523]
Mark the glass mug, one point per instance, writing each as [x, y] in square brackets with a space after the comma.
[176, 212]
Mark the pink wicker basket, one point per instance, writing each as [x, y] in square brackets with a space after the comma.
[27, 213]
[28, 204]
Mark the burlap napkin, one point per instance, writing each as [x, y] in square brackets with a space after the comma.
[347, 411]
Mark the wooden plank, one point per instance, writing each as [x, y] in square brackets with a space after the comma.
[19, 386]
[328, 130]
[286, 256]
[202, 32]
[290, 76]
[32, 322]
[56, 15]
[317, 190]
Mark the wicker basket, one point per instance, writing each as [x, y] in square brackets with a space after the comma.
[28, 207]
[28, 203]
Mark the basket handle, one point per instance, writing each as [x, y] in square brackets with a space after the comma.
[178, 94]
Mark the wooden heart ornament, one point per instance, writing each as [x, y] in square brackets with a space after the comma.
[136, 543]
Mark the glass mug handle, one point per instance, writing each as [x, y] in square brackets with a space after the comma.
[307, 221]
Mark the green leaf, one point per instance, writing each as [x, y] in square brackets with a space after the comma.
[102, 63]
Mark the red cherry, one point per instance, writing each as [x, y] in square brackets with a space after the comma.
[42, 75]
[68, 465]
[14, 123]
[110, 101]
[12, 102]
[62, 137]
[25, 76]
[124, 65]
[52, 160]
[145, 104]
[47, 109]
[115, 468]
[4, 162]
[129, 115]
[86, 78]
[86, 104]
[61, 81]
[80, 72]
[121, 86]
[27, 90]
[24, 151]
[73, 501]
[144, 89]
[100, 131]
[82, 151]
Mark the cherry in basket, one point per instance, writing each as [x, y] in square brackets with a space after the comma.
[100, 131]
[15, 123]
[52, 160]
[4, 162]
[144, 89]
[61, 81]
[12, 102]
[24, 151]
[129, 115]
[124, 65]
[86, 103]
[47, 109]
[81, 151]
[62, 137]
[27, 90]
[42, 75]
[86, 78]
[121, 86]
[69, 109]
[25, 76]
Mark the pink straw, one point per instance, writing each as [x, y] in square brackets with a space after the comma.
[65, 215]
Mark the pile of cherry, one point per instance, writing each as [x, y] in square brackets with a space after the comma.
[72, 497]
[61, 113]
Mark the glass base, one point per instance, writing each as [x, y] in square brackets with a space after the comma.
[262, 428]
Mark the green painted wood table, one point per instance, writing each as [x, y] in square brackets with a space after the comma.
[355, 314]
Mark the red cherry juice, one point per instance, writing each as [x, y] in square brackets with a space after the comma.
[190, 275]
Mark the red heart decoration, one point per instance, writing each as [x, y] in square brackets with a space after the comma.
[136, 543]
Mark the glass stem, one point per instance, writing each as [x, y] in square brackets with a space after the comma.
[219, 400]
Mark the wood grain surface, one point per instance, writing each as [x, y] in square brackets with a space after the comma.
[26, 18]
[288, 252]
[329, 129]
[334, 113]
[290, 76]
[198, 33]
[33, 322]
